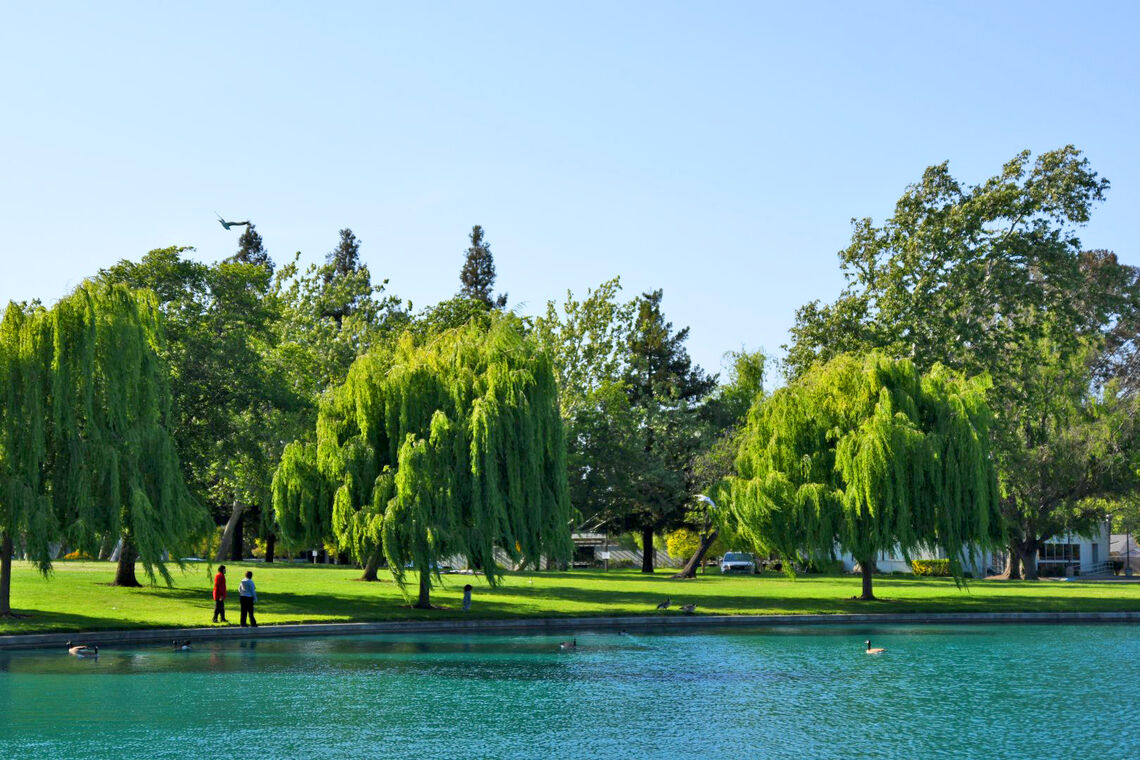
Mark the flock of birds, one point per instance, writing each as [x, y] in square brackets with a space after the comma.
[685, 608]
[90, 650]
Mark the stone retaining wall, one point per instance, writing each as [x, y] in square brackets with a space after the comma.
[663, 622]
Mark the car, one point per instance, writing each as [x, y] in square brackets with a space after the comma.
[737, 562]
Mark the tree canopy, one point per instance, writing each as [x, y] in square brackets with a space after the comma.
[865, 456]
[85, 445]
[991, 279]
[453, 447]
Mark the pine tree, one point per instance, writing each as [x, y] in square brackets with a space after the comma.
[664, 390]
[345, 258]
[345, 281]
[478, 274]
[251, 249]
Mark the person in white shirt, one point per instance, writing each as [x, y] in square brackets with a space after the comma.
[247, 595]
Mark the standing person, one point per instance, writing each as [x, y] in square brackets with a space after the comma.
[467, 598]
[247, 595]
[220, 595]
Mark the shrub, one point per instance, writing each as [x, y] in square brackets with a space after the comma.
[682, 543]
[930, 566]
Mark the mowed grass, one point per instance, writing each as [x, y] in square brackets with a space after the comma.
[77, 597]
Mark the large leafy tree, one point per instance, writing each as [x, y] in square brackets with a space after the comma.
[990, 278]
[723, 415]
[330, 314]
[634, 412]
[587, 341]
[26, 508]
[453, 447]
[478, 273]
[868, 455]
[226, 393]
[85, 447]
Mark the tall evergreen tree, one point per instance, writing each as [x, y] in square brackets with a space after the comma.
[665, 390]
[345, 258]
[346, 281]
[478, 274]
[251, 249]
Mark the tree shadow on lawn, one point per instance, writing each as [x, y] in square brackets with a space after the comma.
[646, 602]
[42, 621]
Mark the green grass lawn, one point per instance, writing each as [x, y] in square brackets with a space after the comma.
[76, 596]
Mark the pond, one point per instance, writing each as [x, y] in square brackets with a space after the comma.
[968, 691]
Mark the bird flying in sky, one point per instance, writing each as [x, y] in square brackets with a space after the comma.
[227, 225]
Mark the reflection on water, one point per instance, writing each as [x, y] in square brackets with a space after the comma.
[773, 693]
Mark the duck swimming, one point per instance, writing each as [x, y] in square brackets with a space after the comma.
[82, 650]
[182, 647]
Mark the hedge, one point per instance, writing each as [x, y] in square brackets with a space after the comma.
[930, 566]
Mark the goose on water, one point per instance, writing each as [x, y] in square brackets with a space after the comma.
[82, 650]
[873, 650]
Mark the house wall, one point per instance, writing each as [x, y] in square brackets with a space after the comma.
[894, 562]
[1093, 552]
[1093, 549]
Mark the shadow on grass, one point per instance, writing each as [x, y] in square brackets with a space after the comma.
[40, 621]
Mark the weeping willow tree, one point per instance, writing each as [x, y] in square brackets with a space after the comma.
[117, 469]
[451, 448]
[84, 448]
[26, 510]
[867, 455]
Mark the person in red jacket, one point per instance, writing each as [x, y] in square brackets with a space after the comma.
[220, 595]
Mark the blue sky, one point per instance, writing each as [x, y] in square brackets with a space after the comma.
[717, 151]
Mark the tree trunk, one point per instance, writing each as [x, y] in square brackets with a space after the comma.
[125, 571]
[1012, 570]
[270, 545]
[106, 546]
[868, 568]
[371, 566]
[5, 575]
[237, 546]
[1028, 555]
[690, 569]
[647, 550]
[224, 548]
[424, 602]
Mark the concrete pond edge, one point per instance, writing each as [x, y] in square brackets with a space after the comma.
[663, 622]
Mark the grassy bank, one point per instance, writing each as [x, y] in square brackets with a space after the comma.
[77, 597]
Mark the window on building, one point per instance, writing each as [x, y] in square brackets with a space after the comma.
[1061, 553]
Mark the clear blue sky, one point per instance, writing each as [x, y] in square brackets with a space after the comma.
[715, 150]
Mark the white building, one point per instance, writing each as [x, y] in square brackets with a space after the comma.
[1070, 554]
[1065, 555]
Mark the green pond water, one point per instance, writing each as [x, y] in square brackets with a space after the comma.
[952, 692]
